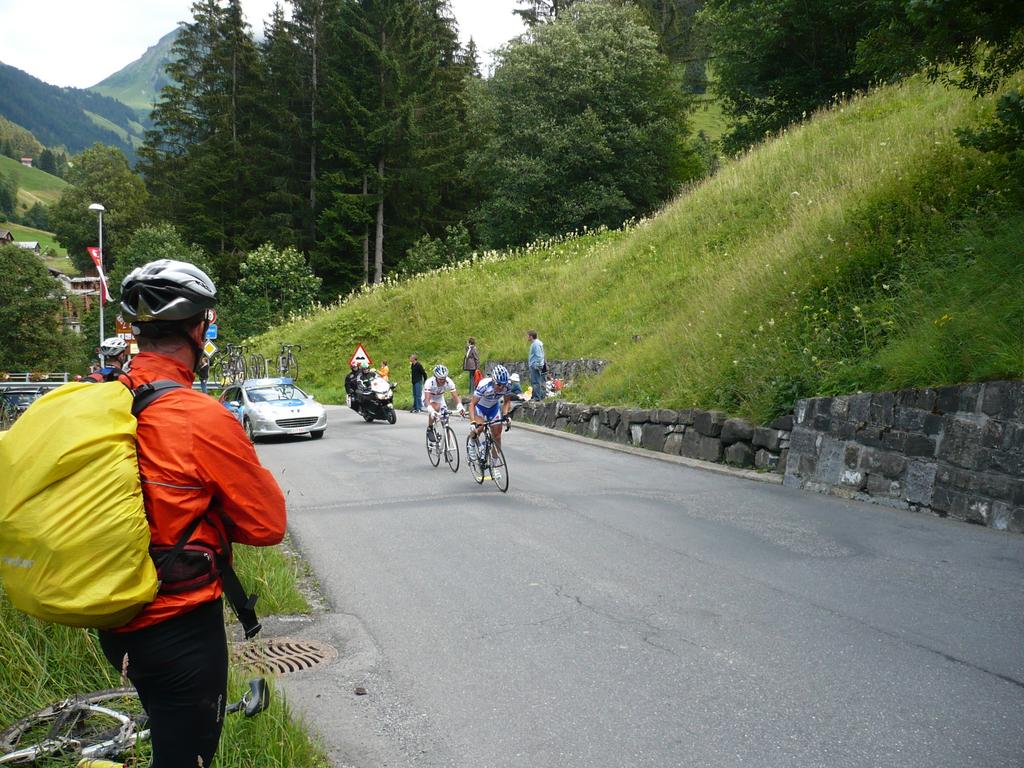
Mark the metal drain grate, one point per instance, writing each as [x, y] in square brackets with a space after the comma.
[283, 655]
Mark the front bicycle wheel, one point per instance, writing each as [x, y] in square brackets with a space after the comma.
[499, 470]
[101, 724]
[451, 449]
[473, 459]
[433, 446]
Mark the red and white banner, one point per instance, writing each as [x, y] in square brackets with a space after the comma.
[104, 290]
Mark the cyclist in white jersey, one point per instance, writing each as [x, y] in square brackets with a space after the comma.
[490, 398]
[434, 390]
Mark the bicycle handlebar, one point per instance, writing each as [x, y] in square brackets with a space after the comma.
[254, 701]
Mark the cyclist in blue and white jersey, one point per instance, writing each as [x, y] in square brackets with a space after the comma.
[491, 398]
[434, 390]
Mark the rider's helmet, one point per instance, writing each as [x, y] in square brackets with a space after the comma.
[364, 365]
[441, 371]
[166, 290]
[500, 375]
[113, 346]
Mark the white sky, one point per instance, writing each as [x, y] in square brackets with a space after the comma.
[80, 42]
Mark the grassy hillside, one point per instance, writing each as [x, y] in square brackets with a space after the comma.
[128, 137]
[22, 141]
[863, 250]
[138, 84]
[33, 185]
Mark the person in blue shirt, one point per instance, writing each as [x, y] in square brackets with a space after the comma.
[537, 365]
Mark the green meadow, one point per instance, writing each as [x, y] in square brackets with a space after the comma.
[863, 250]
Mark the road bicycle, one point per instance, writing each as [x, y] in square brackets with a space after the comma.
[99, 725]
[234, 366]
[443, 443]
[485, 456]
[287, 363]
[258, 366]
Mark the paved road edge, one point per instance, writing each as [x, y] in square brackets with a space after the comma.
[707, 466]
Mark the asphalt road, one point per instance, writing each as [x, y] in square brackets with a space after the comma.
[613, 610]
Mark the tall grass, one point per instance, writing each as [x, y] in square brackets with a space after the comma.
[41, 663]
[822, 261]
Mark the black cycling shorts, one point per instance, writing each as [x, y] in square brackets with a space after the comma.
[180, 669]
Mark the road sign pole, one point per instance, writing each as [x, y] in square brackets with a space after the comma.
[100, 271]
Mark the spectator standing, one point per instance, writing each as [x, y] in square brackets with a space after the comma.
[201, 475]
[384, 370]
[203, 372]
[419, 375]
[537, 364]
[471, 363]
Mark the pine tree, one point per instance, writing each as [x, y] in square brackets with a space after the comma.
[196, 159]
[284, 218]
[397, 120]
[539, 11]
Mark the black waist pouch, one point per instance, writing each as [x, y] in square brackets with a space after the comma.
[182, 569]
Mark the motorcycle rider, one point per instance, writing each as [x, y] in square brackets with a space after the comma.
[352, 383]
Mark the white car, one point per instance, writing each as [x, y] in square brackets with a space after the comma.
[274, 407]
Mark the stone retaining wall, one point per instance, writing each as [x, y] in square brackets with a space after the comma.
[956, 451]
[691, 432]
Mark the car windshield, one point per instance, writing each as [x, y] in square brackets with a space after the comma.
[20, 398]
[269, 393]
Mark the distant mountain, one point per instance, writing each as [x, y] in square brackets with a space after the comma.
[138, 85]
[67, 117]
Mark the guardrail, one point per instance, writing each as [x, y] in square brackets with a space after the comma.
[35, 377]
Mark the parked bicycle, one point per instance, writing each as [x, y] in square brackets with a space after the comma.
[99, 725]
[485, 456]
[287, 363]
[444, 442]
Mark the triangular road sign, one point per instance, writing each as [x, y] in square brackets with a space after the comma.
[359, 356]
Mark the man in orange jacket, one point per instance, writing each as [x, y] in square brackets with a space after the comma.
[203, 484]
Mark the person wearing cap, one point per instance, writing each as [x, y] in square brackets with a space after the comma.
[200, 474]
[515, 386]
[114, 353]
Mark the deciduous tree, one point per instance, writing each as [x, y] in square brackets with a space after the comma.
[99, 175]
[583, 126]
[30, 305]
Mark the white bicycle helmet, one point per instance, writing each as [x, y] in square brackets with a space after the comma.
[500, 375]
[441, 371]
[113, 346]
[166, 290]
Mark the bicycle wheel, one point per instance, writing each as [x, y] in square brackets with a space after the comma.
[434, 446]
[99, 724]
[472, 459]
[499, 470]
[451, 449]
[294, 368]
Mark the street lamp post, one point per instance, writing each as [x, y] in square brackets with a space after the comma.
[100, 209]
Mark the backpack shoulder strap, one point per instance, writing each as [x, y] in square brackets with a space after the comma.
[147, 394]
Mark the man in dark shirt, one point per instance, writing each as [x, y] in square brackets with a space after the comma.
[419, 375]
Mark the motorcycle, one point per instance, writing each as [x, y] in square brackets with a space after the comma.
[374, 400]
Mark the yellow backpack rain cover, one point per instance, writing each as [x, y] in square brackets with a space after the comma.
[74, 540]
